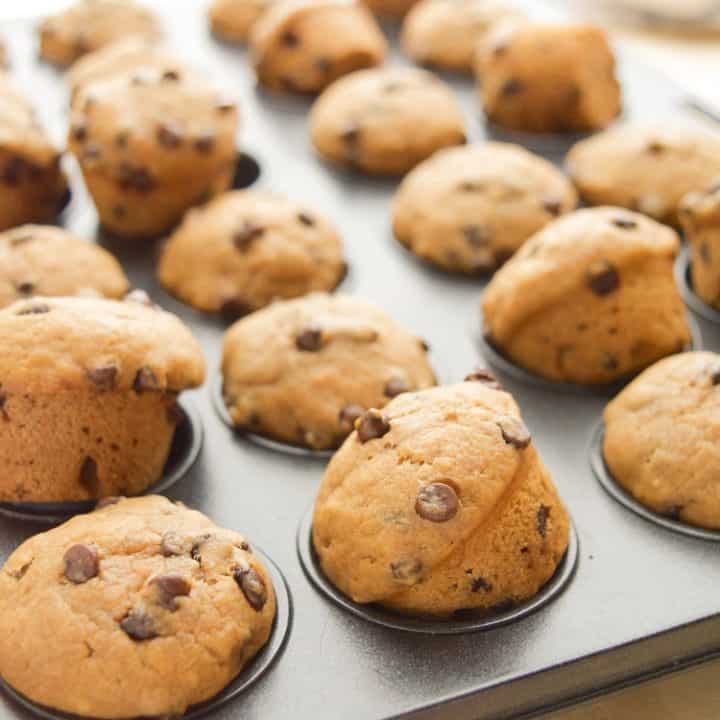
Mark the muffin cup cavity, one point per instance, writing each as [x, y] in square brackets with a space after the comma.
[257, 667]
[507, 367]
[683, 272]
[184, 450]
[608, 483]
[550, 145]
[247, 171]
[463, 621]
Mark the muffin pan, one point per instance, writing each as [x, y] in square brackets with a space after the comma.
[683, 274]
[642, 601]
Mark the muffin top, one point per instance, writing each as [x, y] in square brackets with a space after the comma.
[89, 25]
[142, 583]
[662, 438]
[232, 19]
[54, 344]
[301, 371]
[420, 477]
[47, 260]
[648, 168]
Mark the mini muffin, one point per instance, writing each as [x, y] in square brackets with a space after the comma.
[89, 607]
[94, 384]
[89, 25]
[33, 187]
[468, 209]
[118, 58]
[662, 438]
[232, 20]
[645, 168]
[302, 371]
[247, 248]
[385, 121]
[48, 261]
[151, 143]
[390, 9]
[304, 45]
[445, 33]
[548, 78]
[401, 522]
[700, 218]
[589, 299]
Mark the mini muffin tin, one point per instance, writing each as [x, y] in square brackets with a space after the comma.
[643, 599]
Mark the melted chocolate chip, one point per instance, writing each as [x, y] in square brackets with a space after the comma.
[34, 309]
[88, 477]
[395, 386]
[602, 278]
[406, 571]
[171, 76]
[436, 502]
[145, 381]
[624, 223]
[484, 376]
[512, 87]
[131, 177]
[289, 39]
[102, 377]
[252, 586]
[348, 415]
[541, 519]
[81, 563]
[79, 133]
[138, 626]
[372, 425]
[242, 238]
[476, 235]
[480, 583]
[26, 288]
[171, 586]
[514, 432]
[168, 137]
[306, 219]
[309, 339]
[552, 206]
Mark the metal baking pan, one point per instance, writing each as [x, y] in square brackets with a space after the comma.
[644, 600]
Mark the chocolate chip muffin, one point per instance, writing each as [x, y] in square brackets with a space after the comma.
[385, 121]
[390, 9]
[590, 299]
[445, 33]
[121, 57]
[34, 188]
[89, 25]
[232, 20]
[700, 218]
[402, 522]
[48, 261]
[93, 384]
[645, 168]
[247, 248]
[548, 78]
[662, 436]
[151, 143]
[468, 209]
[302, 371]
[304, 45]
[89, 607]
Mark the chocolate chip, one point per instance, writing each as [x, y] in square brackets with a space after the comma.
[624, 223]
[306, 219]
[512, 87]
[34, 309]
[102, 377]
[425, 345]
[484, 376]
[138, 626]
[172, 544]
[225, 106]
[242, 238]
[471, 186]
[252, 586]
[348, 415]
[171, 76]
[480, 583]
[436, 502]
[139, 296]
[88, 476]
[323, 65]
[289, 39]
[168, 136]
[197, 544]
[602, 278]
[477, 235]
[26, 288]
[541, 519]
[371, 426]
[3, 408]
[395, 386]
[81, 563]
[514, 432]
[552, 206]
[91, 152]
[20, 239]
[705, 252]
[108, 501]
[145, 381]
[79, 133]
[655, 147]
[132, 177]
[406, 571]
[233, 308]
[610, 362]
[350, 136]
[715, 377]
[309, 339]
[170, 586]
[204, 143]
[121, 139]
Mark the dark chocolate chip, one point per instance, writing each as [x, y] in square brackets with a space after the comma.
[102, 377]
[233, 308]
[89, 476]
[168, 137]
[602, 278]
[624, 223]
[480, 583]
[204, 143]
[289, 39]
[309, 339]
[484, 376]
[3, 408]
[107, 501]
[372, 425]
[34, 309]
[306, 219]
[171, 76]
[715, 377]
[610, 362]
[348, 415]
[512, 87]
[242, 238]
[252, 586]
[132, 177]
[145, 381]
[171, 586]
[395, 386]
[172, 544]
[541, 519]
[407, 571]
[655, 147]
[350, 136]
[121, 139]
[436, 502]
[552, 206]
[139, 296]
[477, 235]
[138, 626]
[225, 106]
[514, 432]
[197, 544]
[79, 133]
[26, 288]
[81, 563]
[425, 345]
